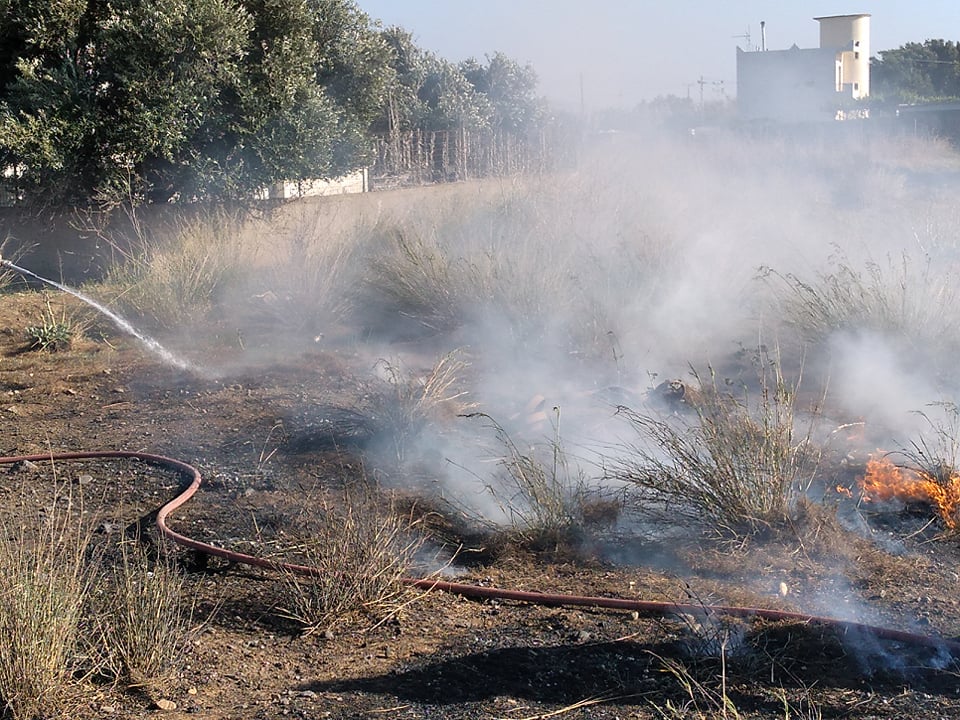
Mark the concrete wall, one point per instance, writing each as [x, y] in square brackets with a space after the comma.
[787, 85]
[356, 182]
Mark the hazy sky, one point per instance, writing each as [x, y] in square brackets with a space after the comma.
[624, 51]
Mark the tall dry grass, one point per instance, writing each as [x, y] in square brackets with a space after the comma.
[306, 276]
[361, 550]
[910, 299]
[173, 272]
[734, 464]
[415, 401]
[525, 264]
[75, 615]
[44, 581]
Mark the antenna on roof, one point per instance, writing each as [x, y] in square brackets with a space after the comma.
[763, 36]
[745, 36]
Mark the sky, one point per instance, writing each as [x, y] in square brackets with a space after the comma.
[616, 53]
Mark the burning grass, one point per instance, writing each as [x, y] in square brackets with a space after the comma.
[928, 473]
[884, 481]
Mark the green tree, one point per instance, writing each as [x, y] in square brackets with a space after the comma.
[510, 89]
[917, 71]
[158, 99]
[427, 92]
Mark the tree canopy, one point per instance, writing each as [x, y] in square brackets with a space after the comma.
[160, 99]
[917, 71]
[430, 93]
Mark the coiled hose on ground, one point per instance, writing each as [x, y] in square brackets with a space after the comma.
[644, 607]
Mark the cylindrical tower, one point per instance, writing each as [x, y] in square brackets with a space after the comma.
[849, 35]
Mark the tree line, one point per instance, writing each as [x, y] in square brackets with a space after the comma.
[916, 72]
[103, 102]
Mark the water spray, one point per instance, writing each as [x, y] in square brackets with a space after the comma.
[152, 345]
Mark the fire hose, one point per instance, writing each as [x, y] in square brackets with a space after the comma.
[642, 607]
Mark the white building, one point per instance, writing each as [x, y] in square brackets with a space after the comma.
[808, 85]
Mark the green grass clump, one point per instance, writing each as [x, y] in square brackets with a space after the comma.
[55, 330]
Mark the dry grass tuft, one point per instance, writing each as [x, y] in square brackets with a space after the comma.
[142, 615]
[361, 553]
[542, 496]
[169, 274]
[414, 401]
[7, 252]
[307, 279]
[43, 586]
[736, 466]
[913, 300]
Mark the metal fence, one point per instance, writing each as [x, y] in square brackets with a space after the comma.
[419, 157]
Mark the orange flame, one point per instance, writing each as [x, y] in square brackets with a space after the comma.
[885, 481]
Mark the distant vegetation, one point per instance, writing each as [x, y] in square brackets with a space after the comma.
[103, 103]
[917, 72]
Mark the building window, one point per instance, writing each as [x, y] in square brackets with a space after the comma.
[856, 87]
[856, 56]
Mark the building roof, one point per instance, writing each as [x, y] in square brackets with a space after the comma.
[836, 17]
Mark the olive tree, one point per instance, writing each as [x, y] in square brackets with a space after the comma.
[154, 100]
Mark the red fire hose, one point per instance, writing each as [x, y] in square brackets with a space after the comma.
[645, 607]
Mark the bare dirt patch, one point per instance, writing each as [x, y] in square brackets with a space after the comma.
[269, 462]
